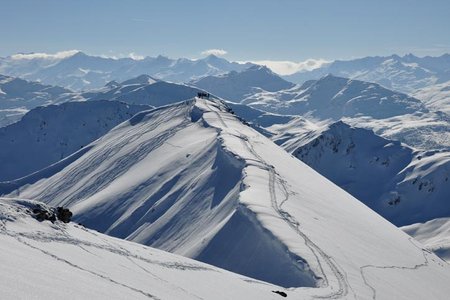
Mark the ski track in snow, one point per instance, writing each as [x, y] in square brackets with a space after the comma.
[65, 238]
[424, 264]
[343, 285]
[294, 224]
[19, 237]
[275, 180]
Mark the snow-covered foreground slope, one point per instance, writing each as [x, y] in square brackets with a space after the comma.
[49, 133]
[434, 235]
[44, 260]
[192, 179]
[402, 184]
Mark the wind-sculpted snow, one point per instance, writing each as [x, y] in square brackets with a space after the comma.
[192, 179]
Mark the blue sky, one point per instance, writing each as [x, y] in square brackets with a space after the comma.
[246, 30]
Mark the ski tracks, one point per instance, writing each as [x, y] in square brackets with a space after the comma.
[343, 287]
[415, 267]
[320, 255]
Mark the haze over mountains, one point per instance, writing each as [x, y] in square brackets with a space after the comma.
[79, 71]
[264, 177]
[406, 73]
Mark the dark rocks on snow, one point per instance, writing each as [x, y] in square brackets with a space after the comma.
[63, 214]
[282, 294]
[45, 214]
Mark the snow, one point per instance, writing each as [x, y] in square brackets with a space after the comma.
[406, 74]
[143, 89]
[55, 260]
[53, 132]
[79, 71]
[404, 185]
[335, 97]
[190, 178]
[235, 86]
[390, 114]
[19, 95]
[434, 235]
[437, 97]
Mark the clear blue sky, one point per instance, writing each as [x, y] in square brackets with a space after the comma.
[247, 30]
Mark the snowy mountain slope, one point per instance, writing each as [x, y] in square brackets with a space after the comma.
[17, 96]
[436, 97]
[235, 86]
[403, 185]
[79, 71]
[362, 104]
[434, 234]
[335, 97]
[427, 131]
[47, 134]
[406, 74]
[192, 179]
[144, 89]
[43, 260]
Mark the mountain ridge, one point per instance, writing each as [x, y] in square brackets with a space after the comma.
[278, 196]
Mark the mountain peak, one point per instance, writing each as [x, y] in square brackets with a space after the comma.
[141, 79]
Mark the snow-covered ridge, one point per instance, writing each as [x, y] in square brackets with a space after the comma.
[143, 89]
[192, 179]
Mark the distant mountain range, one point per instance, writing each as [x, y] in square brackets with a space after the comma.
[84, 72]
[400, 73]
